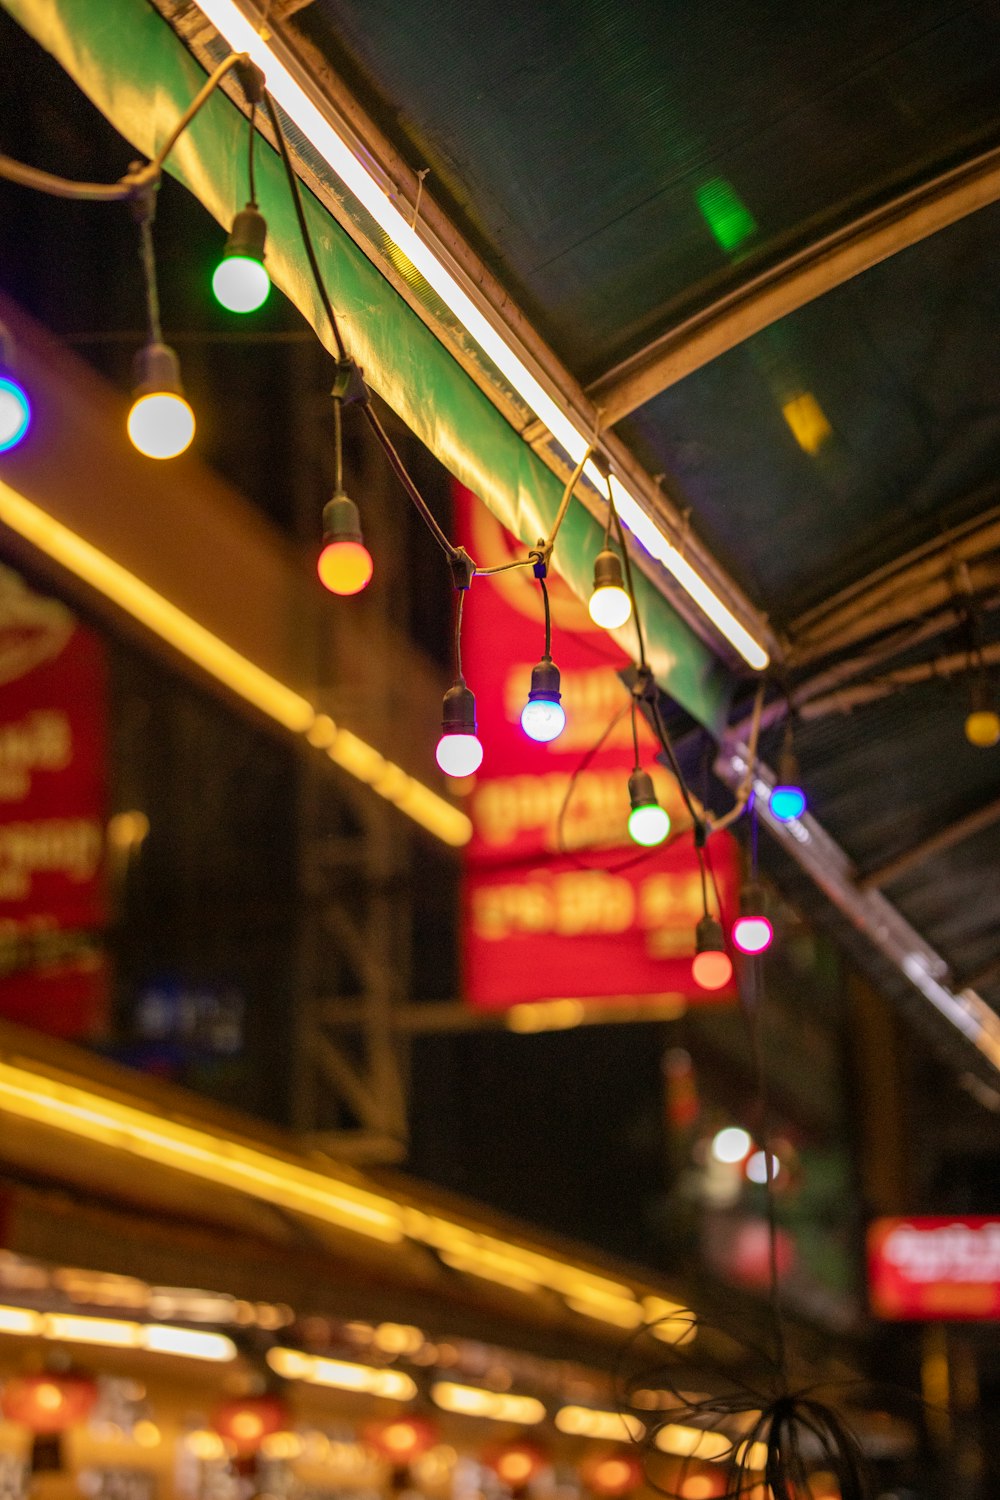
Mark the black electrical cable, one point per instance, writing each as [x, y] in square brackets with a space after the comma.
[548, 618]
[458, 636]
[126, 187]
[251, 169]
[307, 241]
[147, 259]
[338, 447]
[402, 474]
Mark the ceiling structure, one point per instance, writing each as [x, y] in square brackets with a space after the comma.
[758, 257]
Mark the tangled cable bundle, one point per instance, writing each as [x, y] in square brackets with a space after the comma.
[762, 1441]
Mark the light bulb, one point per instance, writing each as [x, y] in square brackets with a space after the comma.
[752, 932]
[241, 282]
[982, 728]
[15, 412]
[459, 752]
[711, 967]
[543, 717]
[648, 822]
[160, 423]
[731, 1144]
[756, 1167]
[345, 565]
[787, 802]
[610, 606]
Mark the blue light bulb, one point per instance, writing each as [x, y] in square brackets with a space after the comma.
[15, 413]
[543, 720]
[543, 717]
[787, 802]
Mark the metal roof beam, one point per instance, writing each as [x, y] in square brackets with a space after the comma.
[918, 854]
[799, 278]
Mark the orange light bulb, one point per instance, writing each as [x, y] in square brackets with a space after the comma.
[712, 970]
[345, 567]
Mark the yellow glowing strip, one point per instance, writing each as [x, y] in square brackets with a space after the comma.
[20, 1321]
[185, 1148]
[227, 666]
[472, 1401]
[609, 1426]
[342, 1375]
[241, 34]
[595, 1296]
[117, 1333]
[694, 1442]
[213, 1158]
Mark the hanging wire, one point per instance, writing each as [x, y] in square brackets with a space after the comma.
[458, 635]
[127, 186]
[338, 446]
[304, 232]
[147, 259]
[548, 615]
[251, 167]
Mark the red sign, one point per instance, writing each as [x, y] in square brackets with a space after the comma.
[52, 769]
[558, 902]
[935, 1269]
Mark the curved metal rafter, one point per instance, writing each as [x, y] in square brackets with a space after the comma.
[801, 277]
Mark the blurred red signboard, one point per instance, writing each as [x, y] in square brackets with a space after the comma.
[932, 1269]
[558, 902]
[53, 973]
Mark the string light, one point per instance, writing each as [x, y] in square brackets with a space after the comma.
[345, 565]
[459, 752]
[648, 822]
[752, 931]
[787, 800]
[543, 717]
[160, 422]
[241, 282]
[15, 408]
[712, 968]
[610, 606]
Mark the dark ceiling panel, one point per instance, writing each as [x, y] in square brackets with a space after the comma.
[898, 389]
[614, 163]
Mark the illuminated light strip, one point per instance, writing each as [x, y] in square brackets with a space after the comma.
[117, 1333]
[694, 1442]
[473, 1401]
[228, 19]
[215, 1159]
[124, 1127]
[609, 1426]
[227, 666]
[342, 1375]
[594, 1296]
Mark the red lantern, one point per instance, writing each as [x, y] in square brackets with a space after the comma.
[246, 1421]
[49, 1401]
[516, 1464]
[402, 1439]
[613, 1475]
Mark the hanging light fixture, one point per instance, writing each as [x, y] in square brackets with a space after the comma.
[982, 724]
[610, 605]
[459, 751]
[787, 800]
[241, 282]
[160, 422]
[246, 1421]
[344, 565]
[711, 967]
[648, 822]
[543, 717]
[612, 1476]
[15, 408]
[752, 931]
[48, 1402]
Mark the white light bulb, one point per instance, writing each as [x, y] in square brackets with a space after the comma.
[241, 284]
[731, 1145]
[459, 754]
[543, 720]
[161, 425]
[610, 607]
